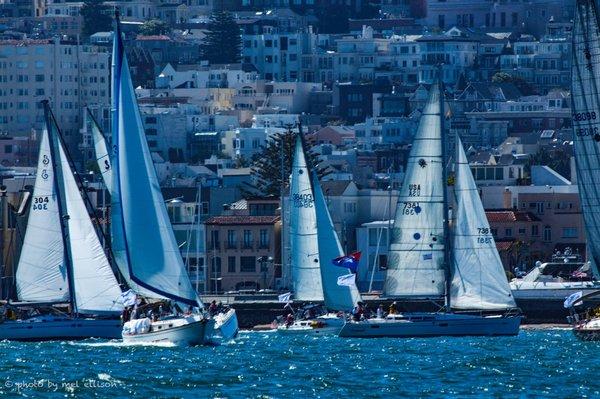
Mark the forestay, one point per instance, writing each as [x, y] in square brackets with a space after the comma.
[415, 266]
[41, 272]
[478, 281]
[306, 273]
[336, 297]
[143, 241]
[101, 150]
[586, 118]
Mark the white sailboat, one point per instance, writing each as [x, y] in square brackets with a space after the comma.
[62, 260]
[426, 263]
[585, 98]
[314, 244]
[143, 241]
[101, 151]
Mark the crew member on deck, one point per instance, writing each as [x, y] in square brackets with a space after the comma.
[392, 309]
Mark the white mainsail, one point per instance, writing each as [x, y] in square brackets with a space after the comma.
[336, 297]
[478, 280]
[101, 150]
[41, 274]
[306, 273]
[95, 286]
[586, 118]
[143, 243]
[416, 256]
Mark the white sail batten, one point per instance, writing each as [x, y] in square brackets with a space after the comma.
[95, 286]
[41, 274]
[478, 278]
[102, 156]
[306, 273]
[336, 297]
[585, 99]
[143, 240]
[416, 256]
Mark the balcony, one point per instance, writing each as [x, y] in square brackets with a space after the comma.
[264, 245]
[213, 245]
[231, 245]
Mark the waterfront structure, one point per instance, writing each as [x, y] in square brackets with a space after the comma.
[242, 248]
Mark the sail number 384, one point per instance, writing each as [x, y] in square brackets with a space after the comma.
[40, 203]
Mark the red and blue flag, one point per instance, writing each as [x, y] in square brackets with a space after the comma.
[348, 261]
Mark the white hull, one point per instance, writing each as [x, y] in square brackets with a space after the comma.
[45, 328]
[226, 325]
[550, 290]
[182, 331]
[432, 325]
[322, 325]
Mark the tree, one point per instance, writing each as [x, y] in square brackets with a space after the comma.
[96, 17]
[519, 82]
[155, 27]
[266, 165]
[223, 41]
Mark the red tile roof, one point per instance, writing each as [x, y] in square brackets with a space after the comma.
[508, 216]
[241, 220]
[503, 245]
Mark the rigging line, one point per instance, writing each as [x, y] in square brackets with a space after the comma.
[585, 159]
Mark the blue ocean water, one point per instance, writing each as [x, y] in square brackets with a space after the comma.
[546, 363]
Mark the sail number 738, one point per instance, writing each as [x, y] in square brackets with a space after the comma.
[484, 235]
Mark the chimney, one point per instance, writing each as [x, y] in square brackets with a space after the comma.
[507, 198]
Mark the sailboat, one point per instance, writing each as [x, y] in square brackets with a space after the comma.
[143, 241]
[314, 244]
[62, 262]
[585, 100]
[429, 258]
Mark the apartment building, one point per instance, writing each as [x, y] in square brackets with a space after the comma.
[65, 73]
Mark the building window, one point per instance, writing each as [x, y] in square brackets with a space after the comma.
[508, 232]
[231, 238]
[264, 238]
[247, 238]
[535, 230]
[569, 232]
[248, 264]
[522, 231]
[547, 234]
[231, 264]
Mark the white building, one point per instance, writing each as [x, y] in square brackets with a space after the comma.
[68, 75]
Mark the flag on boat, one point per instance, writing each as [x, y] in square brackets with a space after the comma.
[128, 298]
[428, 257]
[348, 261]
[285, 297]
[347, 280]
[572, 299]
[579, 274]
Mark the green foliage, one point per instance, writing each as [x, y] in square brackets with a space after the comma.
[555, 158]
[155, 27]
[519, 82]
[266, 165]
[96, 17]
[223, 42]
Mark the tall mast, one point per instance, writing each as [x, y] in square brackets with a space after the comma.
[62, 204]
[446, 239]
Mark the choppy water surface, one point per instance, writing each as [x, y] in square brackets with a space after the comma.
[548, 363]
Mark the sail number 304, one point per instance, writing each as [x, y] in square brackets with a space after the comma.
[40, 203]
